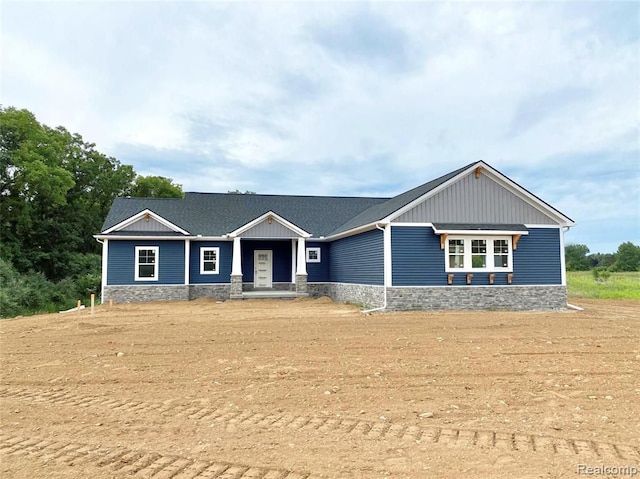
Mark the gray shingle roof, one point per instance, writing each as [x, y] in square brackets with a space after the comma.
[382, 210]
[216, 214]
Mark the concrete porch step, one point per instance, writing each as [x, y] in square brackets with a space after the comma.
[272, 294]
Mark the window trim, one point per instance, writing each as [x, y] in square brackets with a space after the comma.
[156, 264]
[489, 256]
[203, 249]
[317, 250]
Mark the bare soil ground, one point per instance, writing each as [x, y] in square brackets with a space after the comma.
[312, 388]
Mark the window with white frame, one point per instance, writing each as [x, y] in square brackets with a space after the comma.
[209, 260]
[147, 263]
[313, 255]
[478, 253]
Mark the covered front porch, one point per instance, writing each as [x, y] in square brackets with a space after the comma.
[269, 260]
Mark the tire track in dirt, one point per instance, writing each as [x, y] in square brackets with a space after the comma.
[510, 441]
[127, 462]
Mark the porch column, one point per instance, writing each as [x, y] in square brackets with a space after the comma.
[301, 269]
[236, 270]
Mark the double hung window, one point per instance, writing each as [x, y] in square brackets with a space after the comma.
[469, 254]
[146, 263]
[209, 260]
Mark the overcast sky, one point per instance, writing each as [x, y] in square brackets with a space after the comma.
[353, 99]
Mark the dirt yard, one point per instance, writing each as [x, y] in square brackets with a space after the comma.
[312, 388]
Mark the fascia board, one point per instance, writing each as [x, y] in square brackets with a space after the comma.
[479, 232]
[287, 224]
[138, 216]
[354, 231]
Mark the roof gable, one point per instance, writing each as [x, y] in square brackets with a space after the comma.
[480, 194]
[270, 225]
[146, 221]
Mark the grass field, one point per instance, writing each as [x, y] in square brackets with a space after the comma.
[582, 284]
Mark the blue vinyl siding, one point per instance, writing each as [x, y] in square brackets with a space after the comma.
[358, 259]
[319, 272]
[417, 259]
[224, 266]
[537, 259]
[281, 259]
[122, 262]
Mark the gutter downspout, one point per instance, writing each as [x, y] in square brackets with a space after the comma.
[384, 304]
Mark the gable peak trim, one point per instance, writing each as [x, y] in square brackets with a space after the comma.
[145, 214]
[270, 216]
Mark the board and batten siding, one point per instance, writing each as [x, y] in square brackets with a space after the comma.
[224, 262]
[358, 259]
[319, 272]
[475, 200]
[417, 259]
[264, 229]
[147, 225]
[122, 262]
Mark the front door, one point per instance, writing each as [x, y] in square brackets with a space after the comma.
[263, 268]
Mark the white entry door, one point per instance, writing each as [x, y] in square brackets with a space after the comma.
[263, 268]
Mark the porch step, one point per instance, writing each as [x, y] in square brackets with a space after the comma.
[272, 295]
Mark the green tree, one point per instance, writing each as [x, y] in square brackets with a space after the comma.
[156, 187]
[627, 257]
[576, 257]
[56, 190]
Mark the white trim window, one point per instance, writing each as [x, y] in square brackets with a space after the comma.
[313, 255]
[478, 253]
[209, 260]
[147, 264]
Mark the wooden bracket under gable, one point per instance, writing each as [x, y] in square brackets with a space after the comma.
[443, 240]
[516, 238]
[478, 171]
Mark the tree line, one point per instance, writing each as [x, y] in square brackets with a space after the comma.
[626, 258]
[55, 192]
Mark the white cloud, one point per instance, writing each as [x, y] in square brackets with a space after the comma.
[360, 98]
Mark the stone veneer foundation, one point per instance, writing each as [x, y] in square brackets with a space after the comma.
[510, 298]
[513, 298]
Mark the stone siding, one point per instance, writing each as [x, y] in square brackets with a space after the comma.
[220, 291]
[364, 295]
[511, 298]
[142, 293]
[301, 284]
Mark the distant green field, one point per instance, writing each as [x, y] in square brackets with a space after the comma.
[581, 284]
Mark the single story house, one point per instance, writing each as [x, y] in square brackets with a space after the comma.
[471, 239]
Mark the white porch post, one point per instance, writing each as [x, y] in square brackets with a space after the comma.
[301, 269]
[236, 267]
[294, 260]
[236, 270]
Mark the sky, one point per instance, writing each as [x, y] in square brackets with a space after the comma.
[346, 98]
